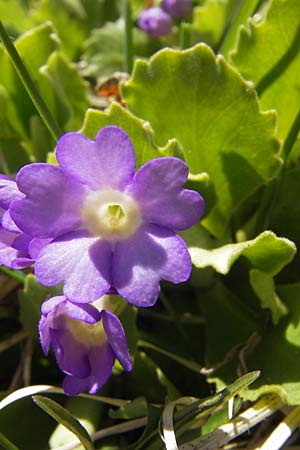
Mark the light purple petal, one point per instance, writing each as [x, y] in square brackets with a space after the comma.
[81, 261]
[44, 333]
[108, 161]
[116, 338]
[36, 245]
[51, 303]
[8, 223]
[140, 263]
[157, 186]
[71, 355]
[21, 263]
[8, 191]
[84, 312]
[101, 361]
[53, 203]
[8, 254]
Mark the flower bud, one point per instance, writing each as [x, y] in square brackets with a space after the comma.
[177, 8]
[155, 21]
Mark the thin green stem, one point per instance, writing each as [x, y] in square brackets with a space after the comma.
[16, 274]
[183, 361]
[29, 85]
[185, 35]
[243, 10]
[172, 314]
[128, 44]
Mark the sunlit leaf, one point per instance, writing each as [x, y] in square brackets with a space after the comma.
[62, 415]
[267, 252]
[139, 131]
[215, 116]
[267, 53]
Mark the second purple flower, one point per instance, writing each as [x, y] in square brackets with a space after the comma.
[110, 229]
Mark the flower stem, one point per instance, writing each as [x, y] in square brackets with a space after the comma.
[241, 12]
[128, 45]
[16, 274]
[29, 85]
[185, 35]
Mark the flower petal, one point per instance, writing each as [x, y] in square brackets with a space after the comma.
[51, 303]
[44, 333]
[71, 355]
[8, 191]
[81, 261]
[101, 362]
[140, 263]
[108, 161]
[116, 338]
[8, 223]
[53, 202]
[157, 186]
[84, 312]
[10, 256]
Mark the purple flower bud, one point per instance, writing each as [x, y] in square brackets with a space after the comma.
[155, 22]
[86, 340]
[178, 8]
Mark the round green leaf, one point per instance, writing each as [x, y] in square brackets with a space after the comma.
[202, 101]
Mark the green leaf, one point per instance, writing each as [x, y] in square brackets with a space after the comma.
[20, 108]
[285, 217]
[267, 53]
[136, 408]
[140, 132]
[210, 19]
[229, 323]
[278, 353]
[62, 415]
[87, 411]
[6, 444]
[104, 51]
[68, 19]
[31, 298]
[264, 287]
[56, 79]
[64, 83]
[215, 116]
[267, 253]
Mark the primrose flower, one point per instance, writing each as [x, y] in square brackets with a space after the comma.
[86, 343]
[17, 250]
[177, 8]
[110, 229]
[155, 22]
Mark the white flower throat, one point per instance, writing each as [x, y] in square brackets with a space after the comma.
[111, 214]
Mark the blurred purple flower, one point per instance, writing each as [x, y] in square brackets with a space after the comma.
[86, 343]
[111, 229]
[177, 8]
[155, 22]
[17, 250]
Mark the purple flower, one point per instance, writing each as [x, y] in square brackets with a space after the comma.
[178, 8]
[155, 22]
[86, 342]
[17, 250]
[111, 229]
